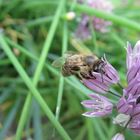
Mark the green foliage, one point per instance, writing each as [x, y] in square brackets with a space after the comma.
[36, 101]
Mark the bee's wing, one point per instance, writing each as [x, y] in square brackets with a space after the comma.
[69, 53]
[80, 47]
[58, 62]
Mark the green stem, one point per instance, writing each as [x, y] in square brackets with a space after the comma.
[39, 68]
[114, 36]
[37, 118]
[4, 62]
[120, 85]
[93, 34]
[9, 119]
[41, 20]
[90, 130]
[114, 94]
[33, 90]
[108, 16]
[33, 4]
[61, 81]
[35, 79]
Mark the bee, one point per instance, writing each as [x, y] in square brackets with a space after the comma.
[80, 65]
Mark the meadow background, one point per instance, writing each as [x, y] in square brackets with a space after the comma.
[33, 33]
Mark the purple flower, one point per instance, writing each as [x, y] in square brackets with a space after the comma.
[98, 23]
[131, 107]
[118, 136]
[135, 125]
[100, 83]
[131, 92]
[129, 104]
[125, 106]
[110, 72]
[83, 30]
[99, 105]
[133, 55]
[96, 84]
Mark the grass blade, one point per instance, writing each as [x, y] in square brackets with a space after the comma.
[33, 90]
[61, 81]
[9, 119]
[39, 68]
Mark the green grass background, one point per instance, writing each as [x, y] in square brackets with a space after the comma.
[33, 33]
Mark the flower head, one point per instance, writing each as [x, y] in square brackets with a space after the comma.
[99, 105]
[129, 104]
[83, 30]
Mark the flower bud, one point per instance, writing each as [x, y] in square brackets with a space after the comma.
[118, 136]
[70, 15]
[99, 105]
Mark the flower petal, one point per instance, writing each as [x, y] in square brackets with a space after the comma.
[89, 103]
[83, 31]
[129, 56]
[133, 72]
[95, 85]
[136, 49]
[111, 73]
[136, 112]
[102, 78]
[96, 114]
[124, 107]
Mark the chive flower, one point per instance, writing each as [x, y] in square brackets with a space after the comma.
[83, 31]
[128, 104]
[99, 106]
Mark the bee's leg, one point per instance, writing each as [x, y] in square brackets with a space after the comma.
[82, 76]
[76, 71]
[91, 75]
[101, 70]
[78, 75]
